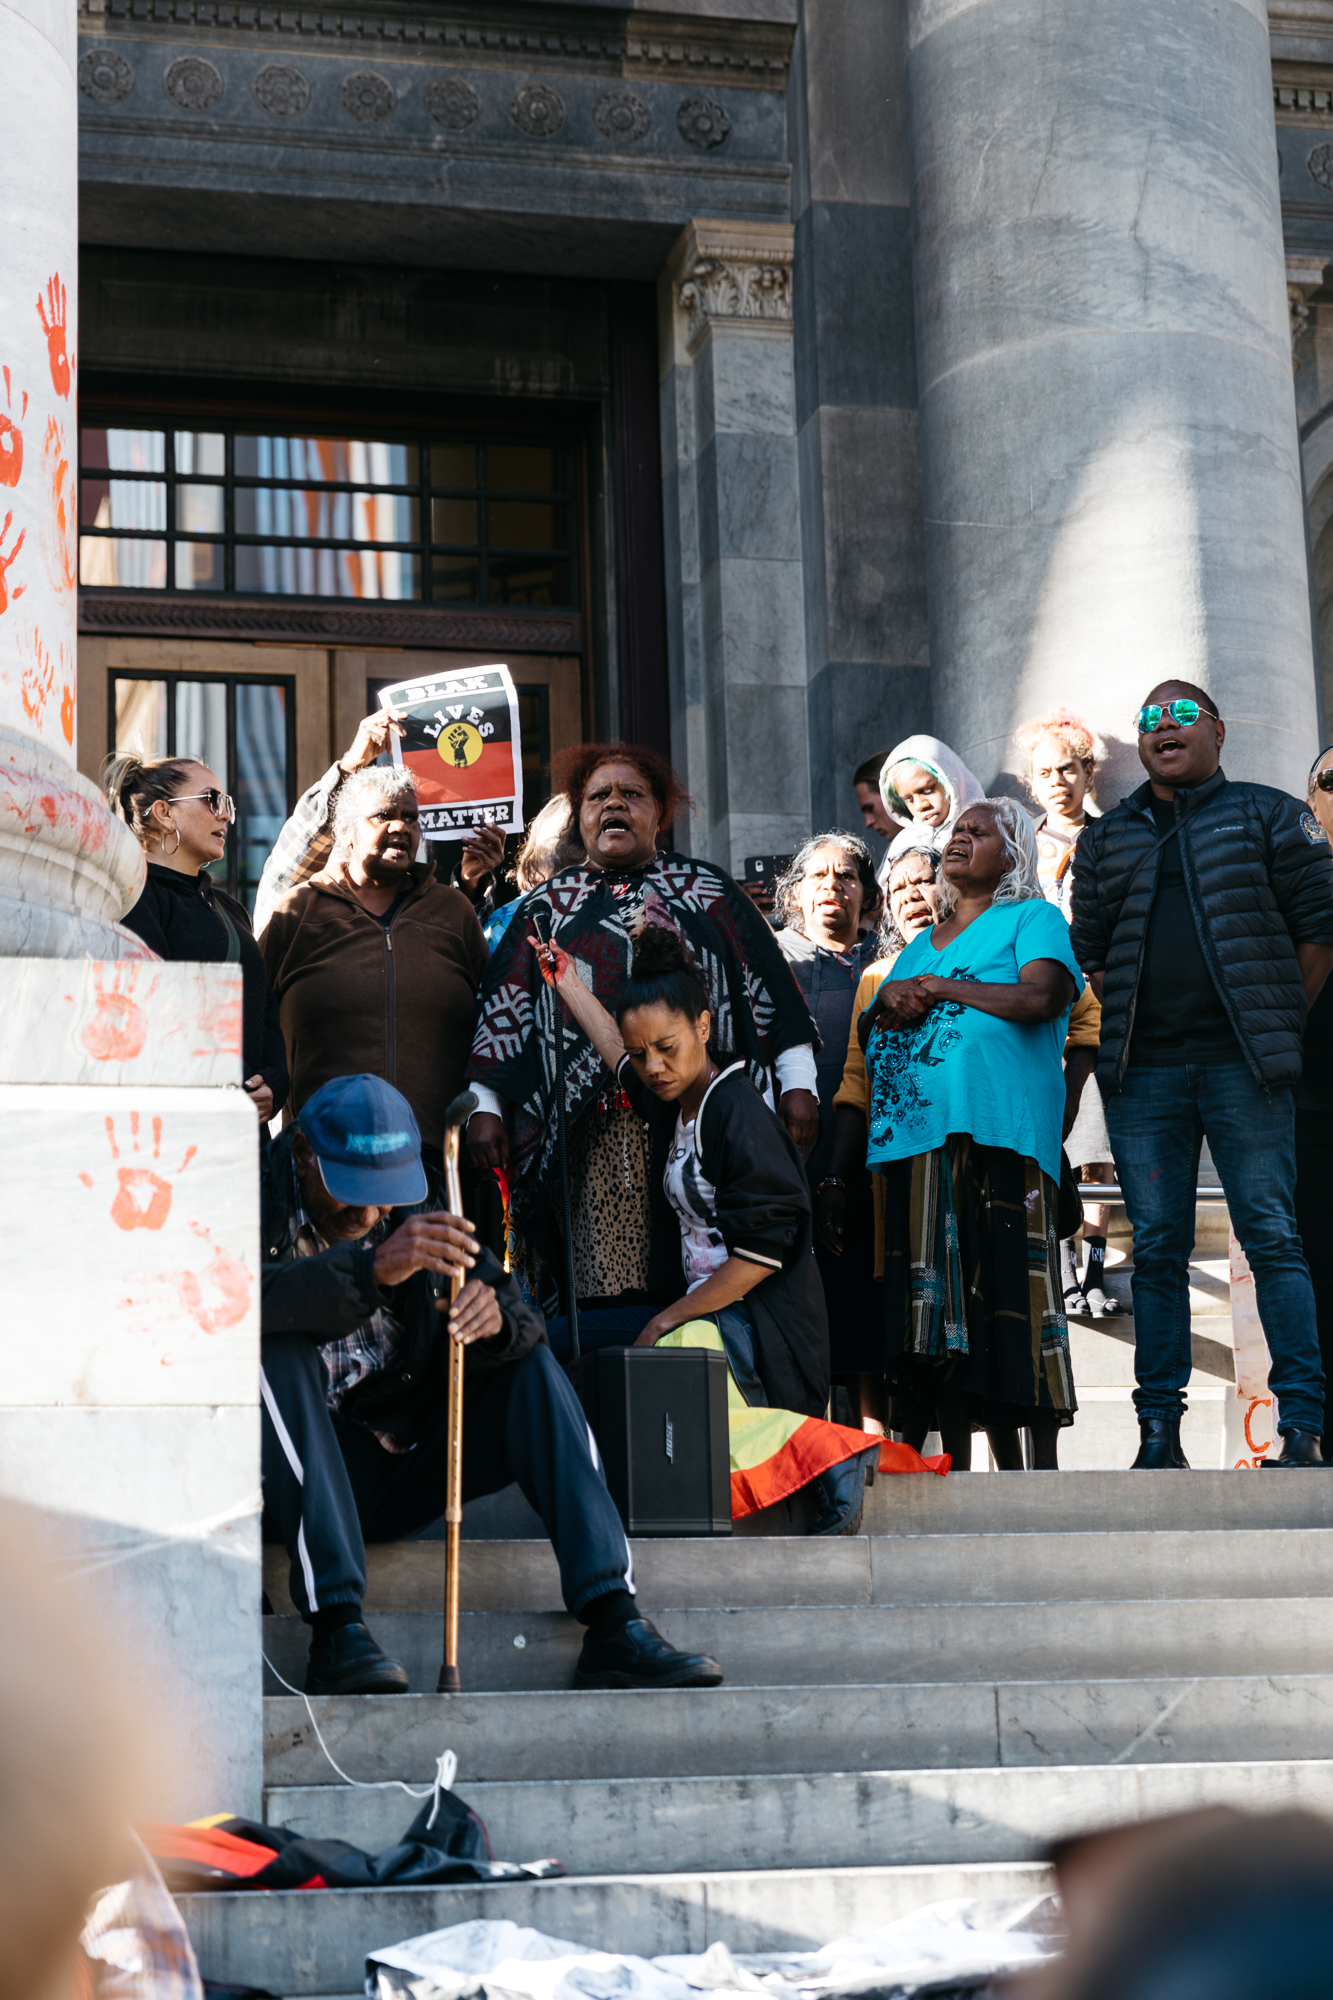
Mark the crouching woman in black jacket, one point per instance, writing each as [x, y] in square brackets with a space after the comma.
[731, 1235]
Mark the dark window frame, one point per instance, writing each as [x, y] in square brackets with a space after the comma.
[173, 677]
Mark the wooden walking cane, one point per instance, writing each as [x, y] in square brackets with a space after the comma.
[455, 1118]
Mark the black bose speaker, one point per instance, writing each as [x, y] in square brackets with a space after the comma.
[659, 1415]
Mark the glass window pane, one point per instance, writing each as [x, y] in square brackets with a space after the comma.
[453, 465]
[109, 562]
[200, 510]
[453, 521]
[526, 524]
[288, 572]
[201, 724]
[126, 451]
[346, 461]
[201, 451]
[261, 779]
[124, 503]
[200, 566]
[456, 580]
[327, 517]
[529, 580]
[141, 717]
[527, 468]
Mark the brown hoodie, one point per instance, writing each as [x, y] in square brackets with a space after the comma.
[356, 998]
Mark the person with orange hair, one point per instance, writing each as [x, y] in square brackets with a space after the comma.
[623, 799]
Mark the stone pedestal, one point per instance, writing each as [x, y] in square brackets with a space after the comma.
[1111, 476]
[736, 618]
[129, 1398]
[68, 869]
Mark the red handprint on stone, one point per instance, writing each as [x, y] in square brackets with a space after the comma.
[60, 528]
[143, 1196]
[39, 677]
[119, 1026]
[6, 593]
[54, 329]
[11, 437]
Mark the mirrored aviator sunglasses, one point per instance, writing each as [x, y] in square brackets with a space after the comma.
[220, 804]
[1182, 713]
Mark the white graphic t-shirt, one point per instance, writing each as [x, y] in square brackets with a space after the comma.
[694, 1199]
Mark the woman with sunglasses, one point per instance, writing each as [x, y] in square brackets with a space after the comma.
[180, 814]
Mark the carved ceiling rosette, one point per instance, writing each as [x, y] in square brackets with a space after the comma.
[281, 90]
[105, 76]
[537, 110]
[366, 97]
[703, 123]
[193, 84]
[453, 103]
[621, 116]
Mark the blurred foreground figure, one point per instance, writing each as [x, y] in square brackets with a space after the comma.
[1214, 1905]
[66, 1759]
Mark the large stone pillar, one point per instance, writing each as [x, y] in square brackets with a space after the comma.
[68, 869]
[735, 598]
[1110, 466]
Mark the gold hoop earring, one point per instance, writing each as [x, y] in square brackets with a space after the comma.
[171, 850]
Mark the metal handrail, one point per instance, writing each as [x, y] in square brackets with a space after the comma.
[1108, 1191]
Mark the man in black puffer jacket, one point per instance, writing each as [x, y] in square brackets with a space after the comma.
[1203, 917]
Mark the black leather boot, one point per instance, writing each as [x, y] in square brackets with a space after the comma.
[348, 1661]
[1298, 1448]
[1159, 1446]
[635, 1655]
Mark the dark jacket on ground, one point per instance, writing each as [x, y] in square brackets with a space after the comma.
[358, 999]
[763, 1209]
[177, 917]
[329, 1295]
[1259, 876]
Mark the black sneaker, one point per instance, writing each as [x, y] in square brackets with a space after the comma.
[635, 1655]
[347, 1661]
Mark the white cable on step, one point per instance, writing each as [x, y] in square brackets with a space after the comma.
[446, 1766]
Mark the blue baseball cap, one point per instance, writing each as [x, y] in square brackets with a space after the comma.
[366, 1141]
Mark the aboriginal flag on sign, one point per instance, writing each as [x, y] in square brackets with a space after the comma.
[461, 743]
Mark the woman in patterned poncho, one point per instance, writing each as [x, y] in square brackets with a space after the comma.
[622, 797]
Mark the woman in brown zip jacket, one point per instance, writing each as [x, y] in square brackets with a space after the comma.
[375, 964]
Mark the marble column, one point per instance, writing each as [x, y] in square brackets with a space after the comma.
[68, 869]
[736, 634]
[1110, 465]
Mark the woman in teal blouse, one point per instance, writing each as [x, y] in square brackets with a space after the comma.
[963, 1049]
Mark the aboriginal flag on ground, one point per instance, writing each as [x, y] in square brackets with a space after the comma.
[461, 743]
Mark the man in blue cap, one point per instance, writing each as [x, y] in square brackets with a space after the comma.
[354, 1384]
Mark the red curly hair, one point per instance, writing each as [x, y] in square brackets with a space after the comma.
[572, 770]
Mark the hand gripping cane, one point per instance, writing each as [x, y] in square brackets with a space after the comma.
[455, 1118]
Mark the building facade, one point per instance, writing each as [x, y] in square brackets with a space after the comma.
[763, 379]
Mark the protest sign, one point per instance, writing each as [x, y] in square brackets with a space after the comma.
[461, 743]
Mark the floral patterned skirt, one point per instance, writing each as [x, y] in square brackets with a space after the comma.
[972, 1283]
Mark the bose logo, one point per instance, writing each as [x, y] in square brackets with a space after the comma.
[669, 1441]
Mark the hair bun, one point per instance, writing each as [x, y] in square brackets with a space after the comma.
[658, 952]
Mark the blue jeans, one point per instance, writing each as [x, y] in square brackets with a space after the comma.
[1157, 1124]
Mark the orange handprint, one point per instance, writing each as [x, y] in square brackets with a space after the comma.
[39, 677]
[143, 1196]
[60, 528]
[54, 329]
[67, 713]
[5, 561]
[228, 1281]
[11, 437]
[119, 1026]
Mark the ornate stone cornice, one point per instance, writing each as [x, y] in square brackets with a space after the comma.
[745, 54]
[157, 615]
[1303, 94]
[728, 277]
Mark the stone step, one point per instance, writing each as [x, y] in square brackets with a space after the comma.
[689, 1733]
[315, 1942]
[836, 1819]
[862, 1569]
[1022, 1503]
[869, 1644]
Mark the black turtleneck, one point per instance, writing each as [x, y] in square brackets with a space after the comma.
[177, 918]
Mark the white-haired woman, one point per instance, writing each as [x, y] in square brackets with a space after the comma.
[967, 1098]
[550, 844]
[375, 964]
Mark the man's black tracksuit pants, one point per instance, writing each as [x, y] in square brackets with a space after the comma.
[330, 1486]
